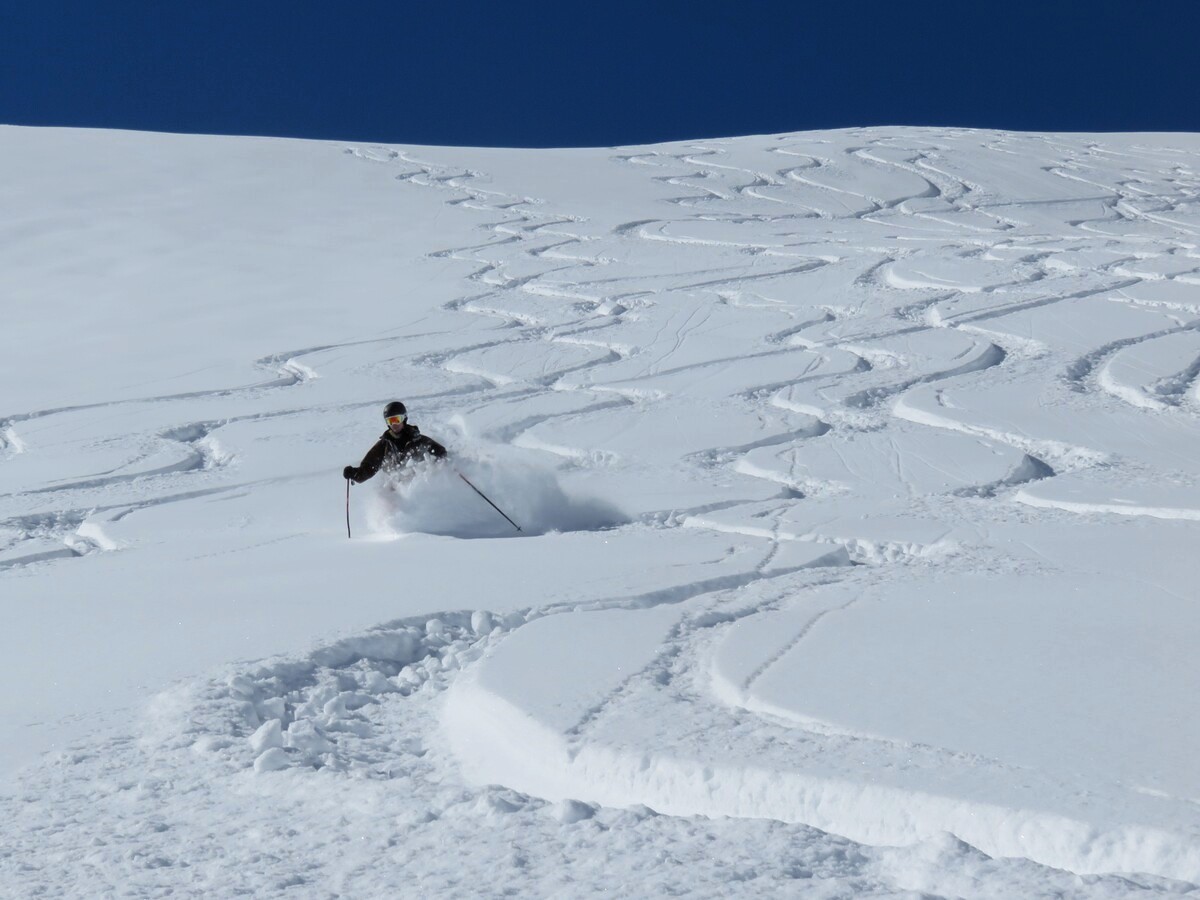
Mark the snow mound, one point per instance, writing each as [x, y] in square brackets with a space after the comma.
[576, 705]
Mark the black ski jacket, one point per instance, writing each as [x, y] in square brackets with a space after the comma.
[393, 452]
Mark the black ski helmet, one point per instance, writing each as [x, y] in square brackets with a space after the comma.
[395, 408]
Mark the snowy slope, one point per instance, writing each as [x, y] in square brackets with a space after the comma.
[859, 479]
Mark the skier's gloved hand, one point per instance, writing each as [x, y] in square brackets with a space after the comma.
[350, 472]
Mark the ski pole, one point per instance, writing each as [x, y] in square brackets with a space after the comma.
[347, 507]
[489, 502]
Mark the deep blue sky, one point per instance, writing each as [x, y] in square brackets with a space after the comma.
[572, 73]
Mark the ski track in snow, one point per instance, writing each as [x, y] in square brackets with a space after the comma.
[906, 274]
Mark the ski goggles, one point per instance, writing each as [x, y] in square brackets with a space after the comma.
[395, 420]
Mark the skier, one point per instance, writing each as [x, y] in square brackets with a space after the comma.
[398, 447]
